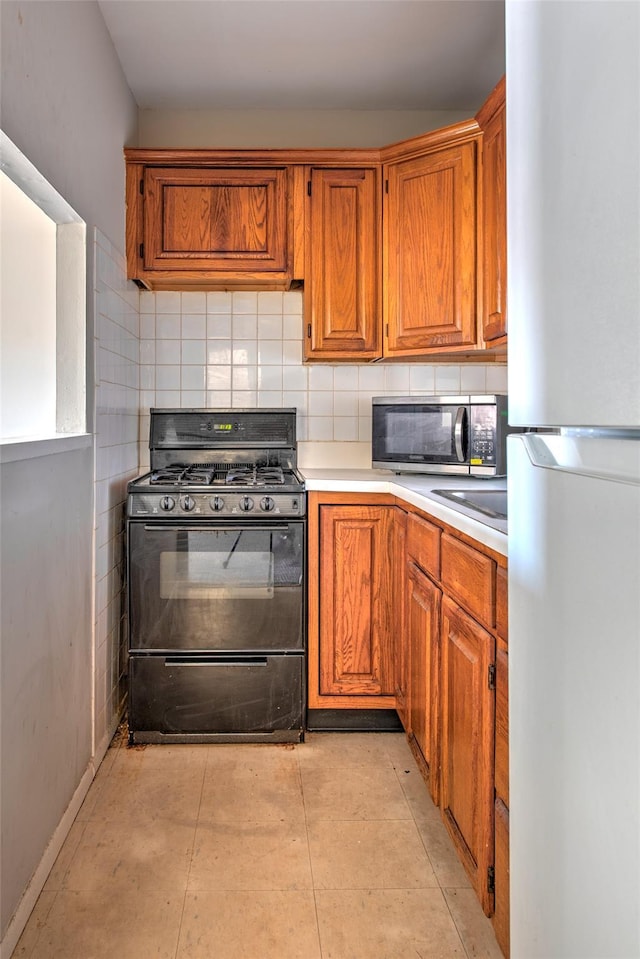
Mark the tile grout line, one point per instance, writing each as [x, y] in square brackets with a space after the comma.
[193, 846]
[313, 881]
[440, 887]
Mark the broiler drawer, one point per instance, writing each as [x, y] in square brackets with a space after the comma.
[203, 698]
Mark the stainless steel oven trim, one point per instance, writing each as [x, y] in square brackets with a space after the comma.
[209, 527]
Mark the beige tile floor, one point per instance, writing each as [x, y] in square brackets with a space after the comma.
[331, 849]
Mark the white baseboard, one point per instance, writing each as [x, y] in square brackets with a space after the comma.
[36, 885]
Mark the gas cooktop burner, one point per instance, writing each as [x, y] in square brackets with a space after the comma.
[229, 475]
[255, 476]
[200, 475]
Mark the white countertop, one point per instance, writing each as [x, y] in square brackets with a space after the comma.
[417, 489]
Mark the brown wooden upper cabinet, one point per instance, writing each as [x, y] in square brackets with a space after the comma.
[491, 120]
[342, 264]
[402, 250]
[430, 265]
[207, 226]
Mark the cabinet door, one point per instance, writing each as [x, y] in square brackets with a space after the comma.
[502, 722]
[357, 590]
[501, 920]
[398, 638]
[230, 220]
[423, 626]
[342, 265]
[494, 217]
[430, 252]
[468, 705]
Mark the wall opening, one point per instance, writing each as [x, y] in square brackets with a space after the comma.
[42, 306]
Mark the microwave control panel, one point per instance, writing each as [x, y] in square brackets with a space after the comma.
[482, 435]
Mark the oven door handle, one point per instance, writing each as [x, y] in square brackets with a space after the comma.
[215, 661]
[231, 528]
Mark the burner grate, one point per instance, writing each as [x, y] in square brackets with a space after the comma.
[255, 476]
[202, 475]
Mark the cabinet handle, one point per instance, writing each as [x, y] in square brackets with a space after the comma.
[309, 330]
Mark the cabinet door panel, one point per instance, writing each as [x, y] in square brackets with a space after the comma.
[491, 119]
[502, 723]
[423, 622]
[221, 219]
[494, 217]
[502, 603]
[430, 252]
[501, 920]
[357, 562]
[343, 264]
[467, 797]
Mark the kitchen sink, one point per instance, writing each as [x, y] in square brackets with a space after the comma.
[490, 502]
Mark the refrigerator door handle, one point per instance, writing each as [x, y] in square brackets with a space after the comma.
[596, 456]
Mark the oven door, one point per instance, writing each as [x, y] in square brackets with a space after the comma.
[213, 588]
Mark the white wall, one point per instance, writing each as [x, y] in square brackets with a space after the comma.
[65, 104]
[287, 128]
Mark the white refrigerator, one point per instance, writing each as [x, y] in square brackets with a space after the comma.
[573, 201]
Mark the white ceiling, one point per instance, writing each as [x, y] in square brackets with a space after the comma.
[309, 54]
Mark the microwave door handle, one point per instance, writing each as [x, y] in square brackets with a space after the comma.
[458, 433]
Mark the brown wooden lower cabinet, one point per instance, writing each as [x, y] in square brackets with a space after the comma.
[423, 637]
[467, 793]
[356, 600]
[354, 626]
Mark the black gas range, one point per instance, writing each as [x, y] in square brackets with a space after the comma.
[220, 464]
[216, 570]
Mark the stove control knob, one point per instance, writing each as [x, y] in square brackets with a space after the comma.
[217, 503]
[267, 503]
[167, 503]
[245, 504]
[188, 503]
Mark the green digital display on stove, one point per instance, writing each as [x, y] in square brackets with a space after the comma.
[223, 426]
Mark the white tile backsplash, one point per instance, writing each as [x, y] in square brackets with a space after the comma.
[194, 302]
[219, 326]
[219, 302]
[245, 302]
[246, 349]
[125, 379]
[194, 326]
[168, 326]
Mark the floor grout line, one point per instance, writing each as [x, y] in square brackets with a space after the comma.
[193, 846]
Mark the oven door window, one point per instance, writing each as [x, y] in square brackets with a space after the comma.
[213, 589]
[196, 574]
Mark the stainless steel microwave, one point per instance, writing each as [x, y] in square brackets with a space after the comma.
[464, 435]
